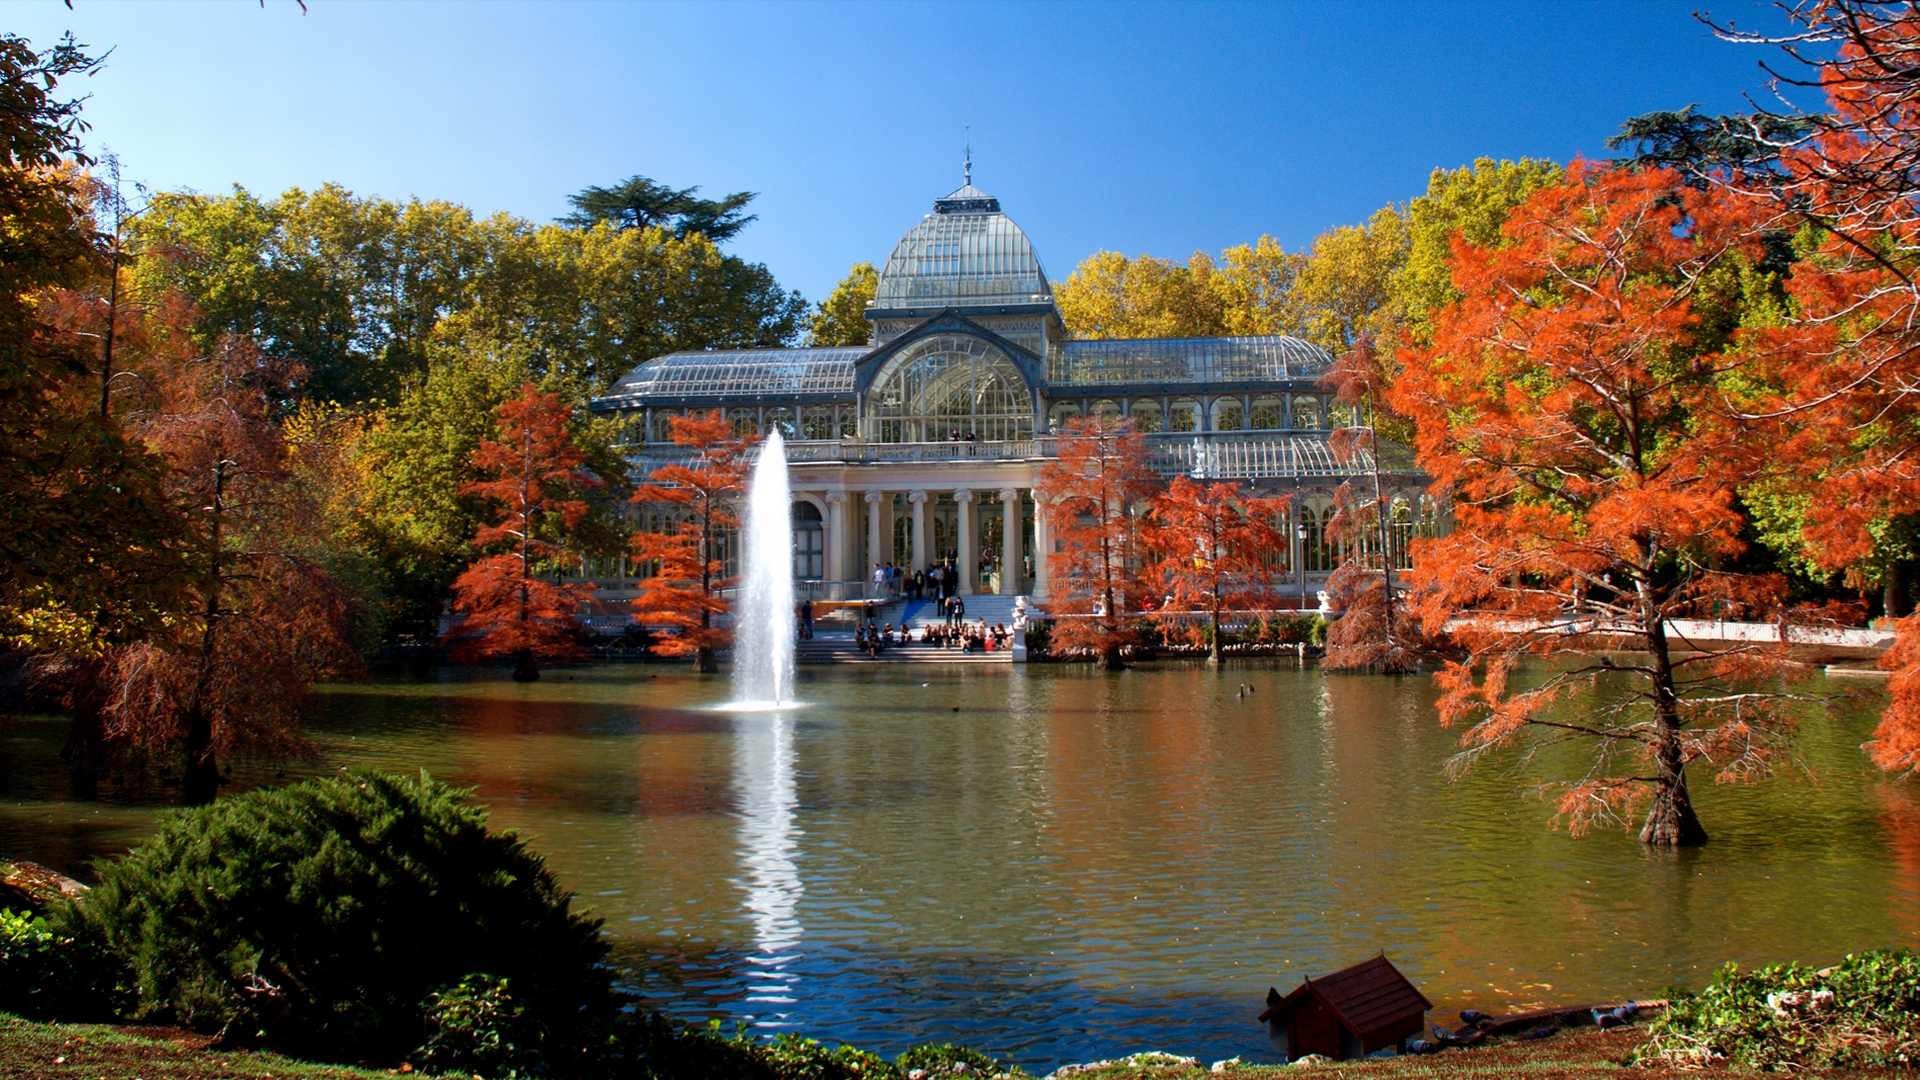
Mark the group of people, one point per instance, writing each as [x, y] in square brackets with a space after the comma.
[937, 583]
[953, 634]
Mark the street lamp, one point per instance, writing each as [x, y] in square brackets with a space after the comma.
[1300, 561]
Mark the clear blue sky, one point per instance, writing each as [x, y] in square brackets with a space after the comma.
[1155, 128]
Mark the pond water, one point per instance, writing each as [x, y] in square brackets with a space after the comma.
[1055, 864]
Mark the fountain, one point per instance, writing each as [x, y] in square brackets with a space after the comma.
[763, 618]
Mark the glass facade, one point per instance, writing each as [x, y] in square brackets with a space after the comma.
[966, 250]
[1177, 360]
[949, 386]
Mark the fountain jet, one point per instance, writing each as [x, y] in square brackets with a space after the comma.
[763, 619]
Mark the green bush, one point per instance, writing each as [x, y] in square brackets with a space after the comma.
[477, 1026]
[1862, 1012]
[319, 917]
[46, 974]
[947, 1059]
[794, 1057]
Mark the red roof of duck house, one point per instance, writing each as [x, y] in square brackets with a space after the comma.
[1372, 1000]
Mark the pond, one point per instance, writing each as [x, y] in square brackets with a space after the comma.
[1054, 864]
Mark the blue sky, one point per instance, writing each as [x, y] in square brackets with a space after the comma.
[1156, 128]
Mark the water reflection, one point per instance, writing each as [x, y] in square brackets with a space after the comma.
[769, 839]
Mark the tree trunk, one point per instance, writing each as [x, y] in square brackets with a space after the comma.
[1110, 658]
[1214, 655]
[201, 781]
[1893, 591]
[525, 667]
[1670, 820]
[705, 660]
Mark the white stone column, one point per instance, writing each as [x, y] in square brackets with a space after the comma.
[876, 545]
[1011, 541]
[1042, 546]
[836, 538]
[967, 562]
[918, 500]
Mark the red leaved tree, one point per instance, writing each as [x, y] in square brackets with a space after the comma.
[1835, 388]
[1095, 491]
[1567, 403]
[259, 617]
[683, 593]
[1212, 542]
[509, 611]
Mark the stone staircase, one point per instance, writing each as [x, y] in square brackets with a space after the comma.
[996, 610]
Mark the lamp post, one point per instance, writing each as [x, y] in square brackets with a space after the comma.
[1300, 561]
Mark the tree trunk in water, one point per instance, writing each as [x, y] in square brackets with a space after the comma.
[525, 667]
[705, 661]
[1215, 657]
[201, 780]
[1670, 820]
[1110, 658]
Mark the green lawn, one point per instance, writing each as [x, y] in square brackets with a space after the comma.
[30, 1051]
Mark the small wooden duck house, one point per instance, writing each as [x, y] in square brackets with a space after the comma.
[1348, 1014]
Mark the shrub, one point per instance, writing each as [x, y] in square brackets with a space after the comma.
[1864, 1011]
[946, 1059]
[45, 974]
[319, 917]
[793, 1057]
[477, 1026]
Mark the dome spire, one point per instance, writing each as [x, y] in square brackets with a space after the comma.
[966, 170]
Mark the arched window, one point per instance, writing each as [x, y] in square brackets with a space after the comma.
[1318, 553]
[1229, 414]
[1342, 415]
[1146, 416]
[1106, 407]
[849, 422]
[744, 422]
[1306, 412]
[663, 425]
[1400, 531]
[780, 420]
[1429, 524]
[1061, 412]
[947, 384]
[1183, 414]
[816, 422]
[1265, 414]
[809, 542]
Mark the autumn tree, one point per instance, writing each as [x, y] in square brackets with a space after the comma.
[842, 317]
[259, 617]
[1835, 390]
[1096, 489]
[1212, 544]
[697, 499]
[510, 611]
[1566, 403]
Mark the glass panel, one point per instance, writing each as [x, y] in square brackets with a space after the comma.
[849, 422]
[1229, 359]
[950, 386]
[816, 422]
[780, 420]
[1229, 415]
[1146, 416]
[742, 373]
[744, 422]
[1341, 415]
[1106, 407]
[1265, 414]
[663, 425]
[962, 251]
[1061, 412]
[1306, 413]
[1183, 415]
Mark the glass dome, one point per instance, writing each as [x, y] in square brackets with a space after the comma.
[966, 251]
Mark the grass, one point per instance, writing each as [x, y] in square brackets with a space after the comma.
[30, 1051]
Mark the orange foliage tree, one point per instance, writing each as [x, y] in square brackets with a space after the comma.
[1568, 403]
[1835, 391]
[683, 592]
[1212, 542]
[511, 612]
[1095, 489]
[259, 618]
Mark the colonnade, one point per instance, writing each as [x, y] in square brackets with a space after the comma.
[844, 561]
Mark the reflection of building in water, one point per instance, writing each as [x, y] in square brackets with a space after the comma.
[923, 445]
[763, 774]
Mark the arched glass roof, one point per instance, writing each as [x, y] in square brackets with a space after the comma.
[741, 373]
[1173, 360]
[965, 251]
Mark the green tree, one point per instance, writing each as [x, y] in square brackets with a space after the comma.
[1472, 201]
[1343, 289]
[640, 203]
[1111, 296]
[842, 317]
[87, 554]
